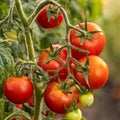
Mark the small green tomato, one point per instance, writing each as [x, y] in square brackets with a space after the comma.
[74, 115]
[86, 99]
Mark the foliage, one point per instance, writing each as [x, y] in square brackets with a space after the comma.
[6, 62]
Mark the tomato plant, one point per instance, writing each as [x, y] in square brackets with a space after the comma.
[18, 90]
[49, 17]
[74, 115]
[97, 74]
[54, 63]
[93, 42]
[53, 93]
[31, 72]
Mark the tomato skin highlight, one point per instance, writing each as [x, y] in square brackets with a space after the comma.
[97, 75]
[74, 115]
[94, 47]
[54, 64]
[18, 90]
[56, 99]
[44, 21]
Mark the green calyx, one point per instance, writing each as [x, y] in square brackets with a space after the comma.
[53, 11]
[85, 34]
[65, 86]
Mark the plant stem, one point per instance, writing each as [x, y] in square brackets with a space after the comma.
[30, 46]
[31, 54]
[38, 100]
[27, 32]
[9, 15]
[21, 13]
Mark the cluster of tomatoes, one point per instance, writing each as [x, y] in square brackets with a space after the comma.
[75, 69]
[86, 70]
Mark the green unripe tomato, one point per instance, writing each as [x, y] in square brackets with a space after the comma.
[74, 115]
[86, 99]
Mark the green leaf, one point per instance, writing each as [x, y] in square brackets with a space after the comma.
[85, 74]
[6, 65]
[3, 8]
[17, 112]
[17, 50]
[4, 43]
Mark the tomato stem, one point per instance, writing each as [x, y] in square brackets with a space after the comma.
[21, 13]
[27, 33]
[38, 101]
[30, 46]
[9, 15]
[40, 5]
[31, 55]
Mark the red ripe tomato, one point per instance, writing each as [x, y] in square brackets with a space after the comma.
[98, 73]
[18, 90]
[20, 106]
[94, 47]
[56, 100]
[51, 22]
[54, 64]
[31, 101]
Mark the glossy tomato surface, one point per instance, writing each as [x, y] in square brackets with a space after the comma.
[94, 47]
[56, 100]
[54, 64]
[98, 73]
[18, 90]
[46, 22]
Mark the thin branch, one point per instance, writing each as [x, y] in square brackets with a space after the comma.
[9, 15]
[22, 13]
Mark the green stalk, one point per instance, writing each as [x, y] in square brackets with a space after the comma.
[31, 55]
[30, 46]
[21, 13]
[38, 100]
[26, 26]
